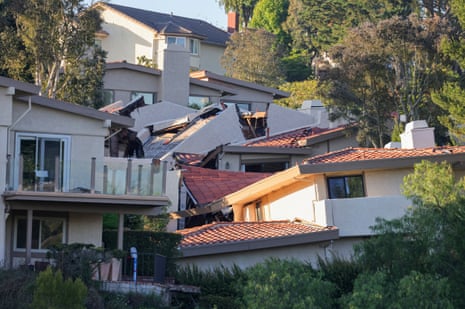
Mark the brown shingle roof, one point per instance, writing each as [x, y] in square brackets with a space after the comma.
[367, 154]
[233, 232]
[207, 185]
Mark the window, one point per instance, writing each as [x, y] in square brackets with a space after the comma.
[46, 232]
[149, 97]
[241, 106]
[197, 102]
[346, 187]
[176, 40]
[194, 46]
[108, 97]
[45, 160]
[258, 211]
[267, 167]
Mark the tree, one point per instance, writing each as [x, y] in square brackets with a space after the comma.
[270, 15]
[385, 69]
[57, 41]
[52, 292]
[254, 56]
[244, 8]
[300, 91]
[451, 97]
[423, 250]
[286, 284]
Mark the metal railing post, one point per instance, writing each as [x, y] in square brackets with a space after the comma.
[92, 175]
[105, 179]
[128, 177]
[57, 177]
[20, 173]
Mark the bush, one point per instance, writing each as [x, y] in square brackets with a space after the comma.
[16, 288]
[220, 287]
[52, 292]
[286, 284]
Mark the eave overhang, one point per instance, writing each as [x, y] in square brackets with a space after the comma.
[260, 244]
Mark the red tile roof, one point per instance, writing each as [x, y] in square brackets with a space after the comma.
[185, 158]
[366, 154]
[291, 139]
[208, 185]
[233, 232]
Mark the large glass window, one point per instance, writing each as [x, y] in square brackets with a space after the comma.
[197, 102]
[46, 232]
[346, 187]
[45, 161]
[149, 97]
[176, 40]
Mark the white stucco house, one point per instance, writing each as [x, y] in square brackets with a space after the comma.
[55, 180]
[345, 189]
[132, 34]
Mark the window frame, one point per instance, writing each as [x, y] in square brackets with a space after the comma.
[194, 46]
[39, 235]
[65, 157]
[135, 94]
[177, 41]
[345, 186]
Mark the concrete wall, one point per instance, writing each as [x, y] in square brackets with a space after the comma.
[305, 253]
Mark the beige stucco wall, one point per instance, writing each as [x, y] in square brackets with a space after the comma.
[305, 253]
[127, 39]
[381, 183]
[123, 82]
[294, 205]
[210, 58]
[85, 228]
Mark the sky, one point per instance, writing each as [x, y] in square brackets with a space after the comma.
[207, 10]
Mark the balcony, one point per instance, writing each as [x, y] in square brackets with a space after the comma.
[107, 176]
[354, 216]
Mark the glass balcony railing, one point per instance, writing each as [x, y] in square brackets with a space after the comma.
[113, 176]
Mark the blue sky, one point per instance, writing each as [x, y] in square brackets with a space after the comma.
[208, 10]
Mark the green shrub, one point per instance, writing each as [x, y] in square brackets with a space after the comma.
[220, 287]
[76, 260]
[339, 271]
[16, 288]
[286, 284]
[53, 292]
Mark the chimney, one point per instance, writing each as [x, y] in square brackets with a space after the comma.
[175, 75]
[233, 22]
[417, 134]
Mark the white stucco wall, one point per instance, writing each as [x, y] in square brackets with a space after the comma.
[127, 39]
[386, 182]
[305, 253]
[85, 228]
[297, 204]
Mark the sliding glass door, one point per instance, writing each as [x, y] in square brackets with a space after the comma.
[45, 161]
